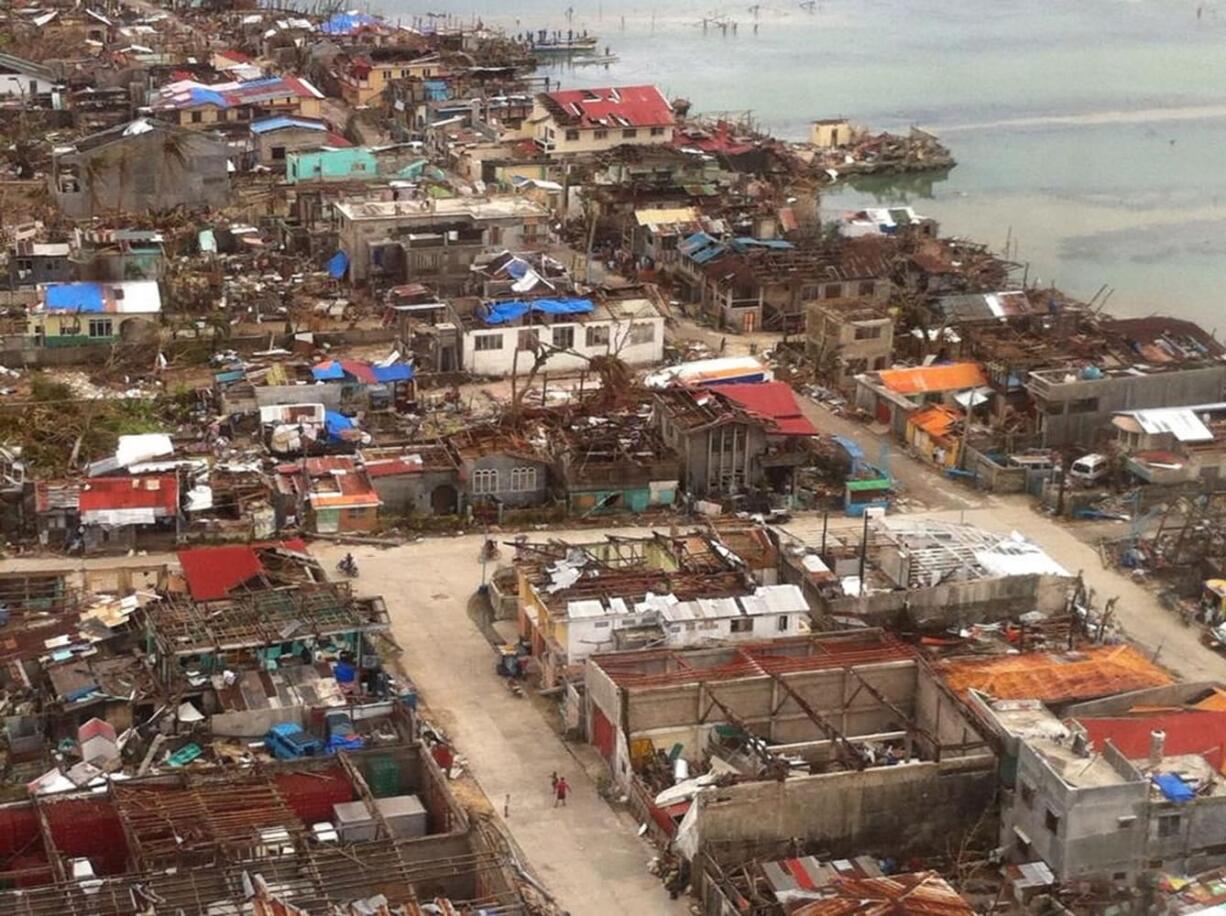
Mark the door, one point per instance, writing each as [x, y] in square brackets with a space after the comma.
[443, 500]
[749, 321]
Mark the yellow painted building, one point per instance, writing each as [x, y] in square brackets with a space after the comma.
[364, 81]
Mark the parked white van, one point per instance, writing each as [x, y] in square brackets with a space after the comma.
[1089, 469]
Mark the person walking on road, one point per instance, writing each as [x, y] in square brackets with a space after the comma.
[561, 789]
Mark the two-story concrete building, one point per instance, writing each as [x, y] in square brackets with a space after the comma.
[434, 241]
[575, 122]
[846, 337]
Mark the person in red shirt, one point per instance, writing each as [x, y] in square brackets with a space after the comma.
[561, 789]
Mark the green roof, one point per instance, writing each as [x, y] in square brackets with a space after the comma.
[872, 483]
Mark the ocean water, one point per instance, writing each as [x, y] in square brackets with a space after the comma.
[1090, 136]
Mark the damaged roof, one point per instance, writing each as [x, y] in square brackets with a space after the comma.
[619, 107]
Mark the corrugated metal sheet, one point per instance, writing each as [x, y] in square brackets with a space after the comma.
[943, 377]
[1184, 423]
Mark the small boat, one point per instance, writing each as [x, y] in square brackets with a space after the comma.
[590, 61]
[575, 44]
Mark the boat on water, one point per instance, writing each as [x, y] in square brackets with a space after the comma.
[595, 61]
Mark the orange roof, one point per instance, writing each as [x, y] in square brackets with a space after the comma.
[936, 420]
[942, 377]
[916, 893]
[1215, 702]
[1095, 672]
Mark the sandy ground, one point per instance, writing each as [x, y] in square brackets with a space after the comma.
[587, 854]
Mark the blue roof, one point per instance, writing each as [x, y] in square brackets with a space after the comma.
[329, 371]
[268, 124]
[1174, 788]
[744, 242]
[695, 242]
[336, 423]
[201, 96]
[851, 446]
[397, 372]
[343, 23]
[75, 297]
[337, 265]
[504, 312]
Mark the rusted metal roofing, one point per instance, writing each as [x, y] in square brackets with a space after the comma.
[936, 420]
[1054, 678]
[943, 377]
[922, 892]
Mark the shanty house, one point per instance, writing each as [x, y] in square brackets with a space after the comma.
[576, 121]
[892, 396]
[1174, 444]
[277, 138]
[121, 513]
[615, 463]
[414, 479]
[328, 495]
[735, 438]
[35, 263]
[71, 314]
[142, 167]
[24, 79]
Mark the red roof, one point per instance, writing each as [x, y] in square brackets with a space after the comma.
[160, 491]
[213, 572]
[1202, 733]
[623, 106]
[774, 400]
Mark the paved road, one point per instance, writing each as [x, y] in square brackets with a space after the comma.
[587, 854]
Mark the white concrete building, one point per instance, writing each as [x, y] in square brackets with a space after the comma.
[574, 331]
[21, 78]
[769, 612]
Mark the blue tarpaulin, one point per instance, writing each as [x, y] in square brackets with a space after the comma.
[336, 424]
[1173, 788]
[75, 297]
[328, 372]
[345, 23]
[397, 372]
[202, 96]
[513, 309]
[337, 265]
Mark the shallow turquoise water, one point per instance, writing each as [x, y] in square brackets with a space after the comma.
[1093, 134]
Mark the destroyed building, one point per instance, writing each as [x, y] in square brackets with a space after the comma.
[141, 167]
[813, 739]
[925, 573]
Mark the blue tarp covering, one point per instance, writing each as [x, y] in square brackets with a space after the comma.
[1174, 788]
[336, 424]
[201, 96]
[397, 372]
[75, 297]
[513, 309]
[694, 243]
[854, 452]
[329, 371]
[344, 23]
[337, 265]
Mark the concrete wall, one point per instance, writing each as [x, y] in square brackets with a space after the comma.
[255, 723]
[1131, 392]
[959, 603]
[410, 494]
[851, 812]
[328, 395]
[504, 465]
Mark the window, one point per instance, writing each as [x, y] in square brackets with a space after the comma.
[872, 332]
[278, 153]
[657, 131]
[485, 480]
[1083, 405]
[629, 133]
[600, 134]
[523, 480]
[742, 625]
[781, 623]
[572, 135]
[354, 514]
[1119, 876]
[809, 291]
[359, 166]
[1168, 825]
[197, 117]
[642, 332]
[832, 291]
[868, 287]
[601, 624]
[527, 340]
[25, 265]
[100, 327]
[598, 336]
[1027, 795]
[488, 342]
[1052, 821]
[1052, 408]
[564, 338]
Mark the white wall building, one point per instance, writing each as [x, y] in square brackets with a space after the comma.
[771, 611]
[23, 78]
[630, 329]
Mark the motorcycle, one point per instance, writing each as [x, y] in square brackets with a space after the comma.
[348, 566]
